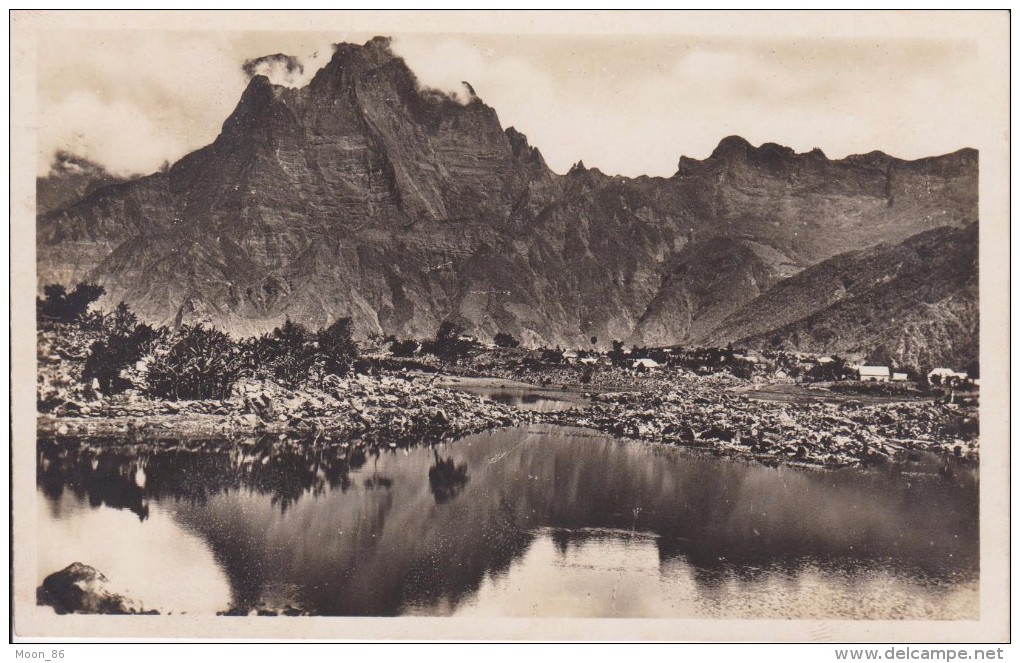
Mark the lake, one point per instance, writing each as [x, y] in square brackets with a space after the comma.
[532, 521]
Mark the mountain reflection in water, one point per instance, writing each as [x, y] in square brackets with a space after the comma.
[540, 520]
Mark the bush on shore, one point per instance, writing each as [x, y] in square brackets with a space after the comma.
[63, 306]
[199, 363]
[113, 352]
[337, 348]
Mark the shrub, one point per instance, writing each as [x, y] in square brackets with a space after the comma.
[448, 345]
[837, 369]
[337, 348]
[551, 356]
[505, 340]
[286, 355]
[406, 348]
[200, 363]
[108, 358]
[62, 306]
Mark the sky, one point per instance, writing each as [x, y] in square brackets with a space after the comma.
[626, 104]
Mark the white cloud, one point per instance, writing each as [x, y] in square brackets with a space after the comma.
[117, 134]
[628, 107]
[133, 103]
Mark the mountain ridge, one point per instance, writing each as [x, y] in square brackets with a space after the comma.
[365, 195]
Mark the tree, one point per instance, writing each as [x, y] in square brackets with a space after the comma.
[68, 307]
[122, 321]
[107, 359]
[448, 343]
[51, 304]
[616, 355]
[505, 340]
[337, 348]
[837, 369]
[404, 348]
[287, 354]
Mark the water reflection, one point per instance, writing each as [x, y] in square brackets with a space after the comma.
[109, 471]
[446, 478]
[454, 528]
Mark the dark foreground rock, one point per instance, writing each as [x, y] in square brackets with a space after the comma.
[79, 588]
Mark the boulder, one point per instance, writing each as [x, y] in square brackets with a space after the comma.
[79, 588]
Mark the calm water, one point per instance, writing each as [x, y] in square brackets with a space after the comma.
[526, 399]
[520, 522]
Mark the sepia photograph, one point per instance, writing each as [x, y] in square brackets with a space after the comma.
[583, 325]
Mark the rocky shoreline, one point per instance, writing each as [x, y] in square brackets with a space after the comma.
[819, 433]
[372, 410]
[410, 408]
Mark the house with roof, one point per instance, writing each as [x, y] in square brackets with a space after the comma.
[645, 365]
[873, 373]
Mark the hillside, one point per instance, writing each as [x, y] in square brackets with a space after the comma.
[915, 303]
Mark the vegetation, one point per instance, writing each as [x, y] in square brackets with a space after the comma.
[193, 362]
[406, 348]
[336, 347]
[198, 363]
[62, 306]
[286, 355]
[449, 343]
[123, 348]
[109, 353]
[837, 369]
[504, 340]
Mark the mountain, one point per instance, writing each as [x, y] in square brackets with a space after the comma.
[71, 178]
[364, 194]
[915, 302]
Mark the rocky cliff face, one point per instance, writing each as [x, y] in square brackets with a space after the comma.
[914, 303]
[364, 195]
[71, 178]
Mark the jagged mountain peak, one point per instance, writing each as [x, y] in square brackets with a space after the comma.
[734, 148]
[731, 146]
[374, 53]
[71, 177]
[522, 149]
[364, 194]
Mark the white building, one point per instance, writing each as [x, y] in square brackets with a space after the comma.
[873, 373]
[645, 364]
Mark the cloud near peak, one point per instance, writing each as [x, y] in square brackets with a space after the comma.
[280, 69]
